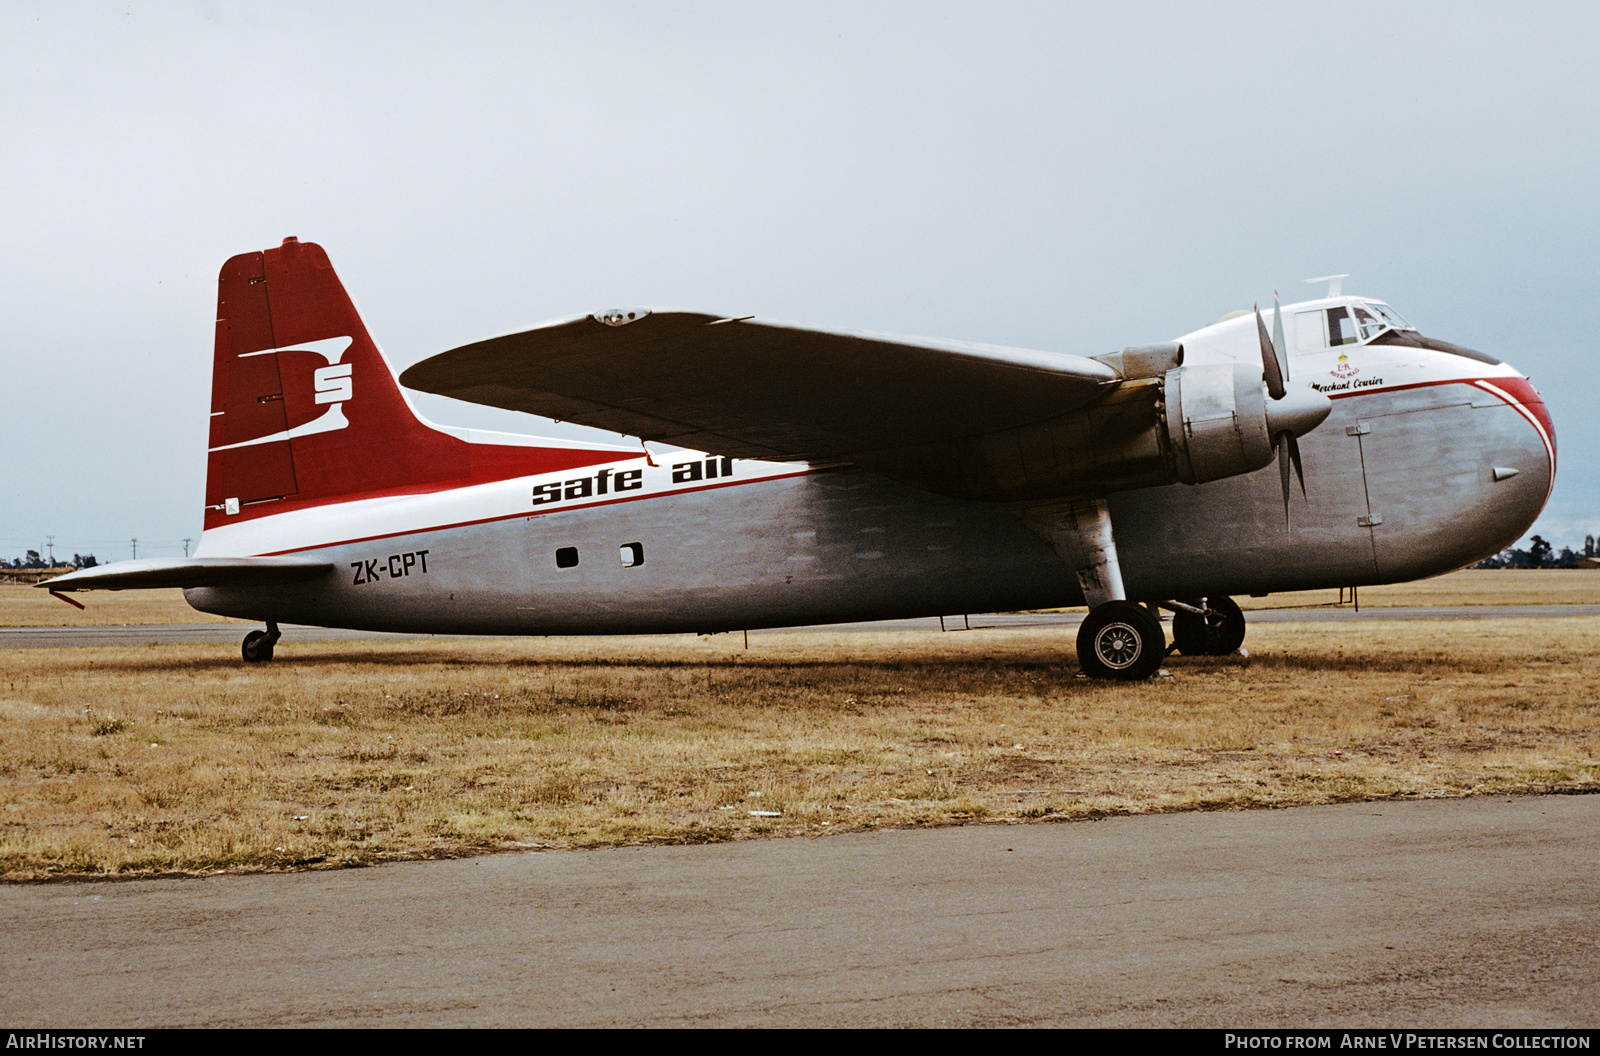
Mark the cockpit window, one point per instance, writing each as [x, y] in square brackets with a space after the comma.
[1347, 324]
[1389, 315]
[1340, 329]
[1368, 325]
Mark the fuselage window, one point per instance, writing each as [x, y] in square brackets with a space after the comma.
[1340, 330]
[1307, 332]
[567, 557]
[632, 554]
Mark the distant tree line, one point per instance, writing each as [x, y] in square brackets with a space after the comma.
[1540, 554]
[32, 560]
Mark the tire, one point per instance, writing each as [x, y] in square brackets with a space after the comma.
[257, 647]
[1121, 640]
[1219, 632]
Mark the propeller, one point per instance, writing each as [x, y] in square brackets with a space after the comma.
[1289, 415]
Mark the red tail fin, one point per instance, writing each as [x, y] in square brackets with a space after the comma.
[305, 410]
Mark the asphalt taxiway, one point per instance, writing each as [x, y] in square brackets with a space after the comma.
[1436, 913]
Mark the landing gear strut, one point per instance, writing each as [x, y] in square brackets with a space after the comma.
[1118, 639]
[257, 648]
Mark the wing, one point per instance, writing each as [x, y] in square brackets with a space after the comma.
[753, 388]
[190, 572]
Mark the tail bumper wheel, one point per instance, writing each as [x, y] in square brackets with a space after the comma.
[1219, 632]
[1121, 640]
[257, 647]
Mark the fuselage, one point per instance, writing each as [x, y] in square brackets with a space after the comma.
[1430, 460]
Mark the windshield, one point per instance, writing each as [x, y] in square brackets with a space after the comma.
[1368, 325]
[1351, 323]
[1389, 315]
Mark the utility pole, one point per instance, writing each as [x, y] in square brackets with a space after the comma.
[136, 549]
[186, 548]
[50, 545]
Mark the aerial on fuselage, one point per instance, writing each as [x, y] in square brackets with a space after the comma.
[822, 476]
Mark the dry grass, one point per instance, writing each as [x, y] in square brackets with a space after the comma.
[161, 758]
[24, 606]
[1507, 586]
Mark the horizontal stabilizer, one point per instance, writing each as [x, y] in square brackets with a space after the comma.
[191, 572]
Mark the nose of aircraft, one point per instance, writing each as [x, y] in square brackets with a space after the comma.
[1537, 433]
[1520, 394]
[1453, 480]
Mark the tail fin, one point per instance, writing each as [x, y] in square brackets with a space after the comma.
[304, 409]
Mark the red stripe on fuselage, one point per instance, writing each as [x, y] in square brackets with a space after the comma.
[1517, 393]
[531, 514]
[489, 463]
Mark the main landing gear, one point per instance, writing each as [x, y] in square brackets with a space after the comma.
[1208, 627]
[1121, 639]
[257, 648]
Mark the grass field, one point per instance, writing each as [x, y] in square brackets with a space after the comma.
[24, 606]
[1507, 586]
[136, 761]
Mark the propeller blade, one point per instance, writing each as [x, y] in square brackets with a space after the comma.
[1282, 444]
[1287, 448]
[1277, 337]
[1271, 371]
[1294, 455]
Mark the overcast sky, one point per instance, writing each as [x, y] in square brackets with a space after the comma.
[1067, 176]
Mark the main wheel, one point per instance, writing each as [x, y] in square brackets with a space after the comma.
[257, 647]
[1219, 632]
[1121, 640]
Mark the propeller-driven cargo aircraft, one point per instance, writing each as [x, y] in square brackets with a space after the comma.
[826, 476]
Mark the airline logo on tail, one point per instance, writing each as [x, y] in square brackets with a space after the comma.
[333, 384]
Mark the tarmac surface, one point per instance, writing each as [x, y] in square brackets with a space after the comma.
[1406, 914]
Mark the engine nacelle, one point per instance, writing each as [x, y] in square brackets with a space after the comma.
[1191, 425]
[1217, 421]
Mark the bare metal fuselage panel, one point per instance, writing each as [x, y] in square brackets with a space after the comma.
[1401, 484]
